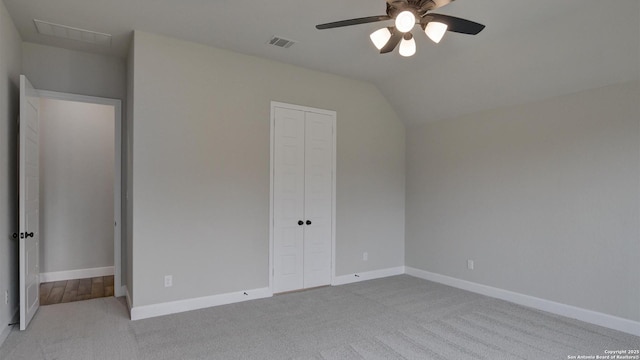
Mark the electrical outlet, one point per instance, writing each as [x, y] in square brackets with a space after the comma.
[168, 280]
[470, 264]
[6, 297]
[365, 256]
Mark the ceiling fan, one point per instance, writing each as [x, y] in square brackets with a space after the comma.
[408, 13]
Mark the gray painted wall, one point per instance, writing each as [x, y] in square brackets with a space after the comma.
[10, 60]
[201, 168]
[75, 72]
[76, 185]
[543, 196]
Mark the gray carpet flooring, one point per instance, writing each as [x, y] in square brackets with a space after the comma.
[400, 317]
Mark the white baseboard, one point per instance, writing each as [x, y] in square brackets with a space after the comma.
[174, 307]
[76, 274]
[368, 275]
[6, 330]
[128, 297]
[593, 317]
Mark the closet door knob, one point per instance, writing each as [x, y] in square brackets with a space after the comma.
[28, 235]
[300, 222]
[308, 222]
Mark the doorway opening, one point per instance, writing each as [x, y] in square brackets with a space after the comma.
[80, 197]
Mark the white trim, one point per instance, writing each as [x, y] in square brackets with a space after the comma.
[76, 274]
[275, 104]
[125, 290]
[367, 275]
[590, 316]
[117, 174]
[333, 198]
[6, 330]
[334, 115]
[77, 97]
[174, 307]
[272, 150]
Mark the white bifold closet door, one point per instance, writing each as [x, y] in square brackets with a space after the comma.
[302, 185]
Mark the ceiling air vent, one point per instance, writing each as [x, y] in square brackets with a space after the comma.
[281, 42]
[68, 32]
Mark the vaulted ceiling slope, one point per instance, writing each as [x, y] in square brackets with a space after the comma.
[530, 50]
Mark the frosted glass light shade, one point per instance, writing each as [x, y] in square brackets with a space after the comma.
[379, 38]
[405, 21]
[435, 31]
[408, 47]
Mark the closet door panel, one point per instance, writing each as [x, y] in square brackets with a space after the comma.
[289, 179]
[318, 197]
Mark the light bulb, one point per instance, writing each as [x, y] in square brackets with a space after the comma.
[408, 46]
[435, 31]
[405, 21]
[380, 37]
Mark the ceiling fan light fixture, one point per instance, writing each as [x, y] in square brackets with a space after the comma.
[405, 21]
[408, 46]
[379, 38]
[406, 14]
[435, 30]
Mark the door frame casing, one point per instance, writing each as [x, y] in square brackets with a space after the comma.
[28, 278]
[117, 173]
[333, 114]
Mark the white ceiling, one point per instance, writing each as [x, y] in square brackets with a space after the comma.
[530, 50]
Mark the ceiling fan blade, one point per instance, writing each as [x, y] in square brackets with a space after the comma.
[434, 4]
[395, 38]
[455, 24]
[364, 20]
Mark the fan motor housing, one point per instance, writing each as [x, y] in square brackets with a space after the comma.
[419, 7]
